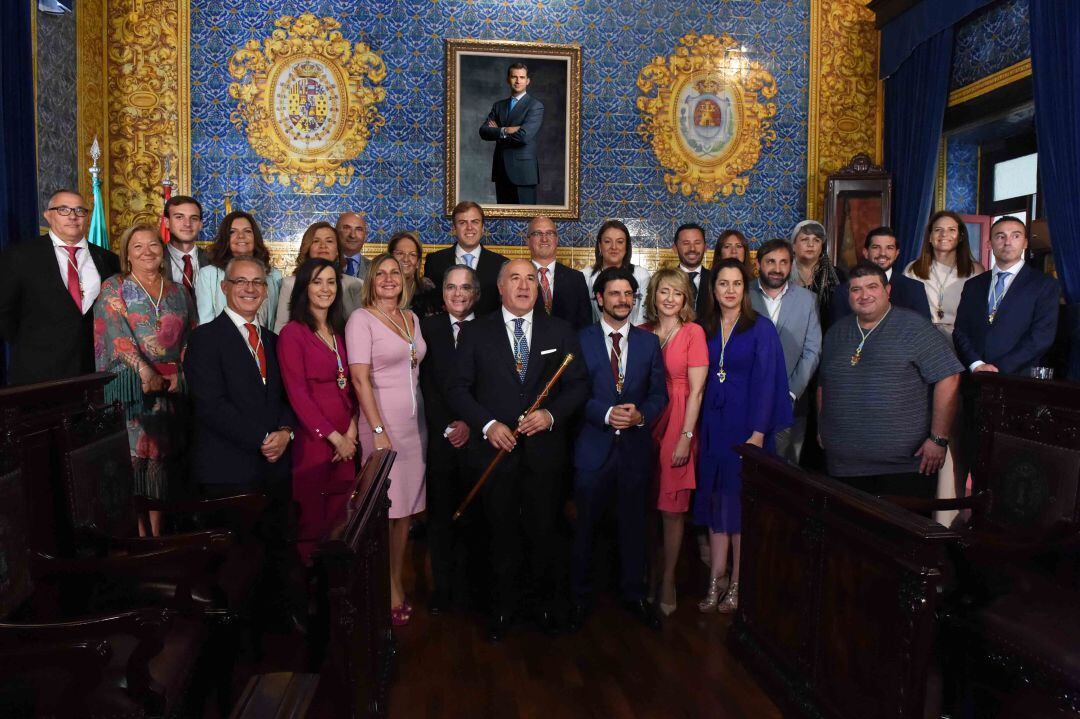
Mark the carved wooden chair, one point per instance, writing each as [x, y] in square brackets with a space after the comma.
[127, 662]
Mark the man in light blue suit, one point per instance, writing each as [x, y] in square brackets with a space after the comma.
[613, 453]
[794, 312]
[513, 125]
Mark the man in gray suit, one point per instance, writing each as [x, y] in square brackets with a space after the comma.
[794, 312]
[352, 231]
[183, 219]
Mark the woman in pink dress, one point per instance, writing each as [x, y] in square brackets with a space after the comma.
[385, 350]
[670, 314]
[314, 369]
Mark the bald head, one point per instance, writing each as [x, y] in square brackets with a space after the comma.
[352, 229]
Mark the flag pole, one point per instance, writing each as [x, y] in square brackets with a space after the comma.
[98, 233]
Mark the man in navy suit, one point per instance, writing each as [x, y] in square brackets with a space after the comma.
[613, 451]
[467, 227]
[504, 360]
[881, 248]
[183, 218]
[689, 244]
[47, 292]
[243, 422]
[562, 291]
[1006, 320]
[513, 125]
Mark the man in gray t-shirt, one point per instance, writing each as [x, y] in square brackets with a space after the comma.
[882, 428]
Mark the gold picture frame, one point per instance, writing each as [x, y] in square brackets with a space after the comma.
[475, 77]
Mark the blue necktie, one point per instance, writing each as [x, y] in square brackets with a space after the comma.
[521, 349]
[999, 291]
[468, 260]
[513, 103]
[351, 265]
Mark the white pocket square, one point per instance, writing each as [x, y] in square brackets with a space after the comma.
[546, 352]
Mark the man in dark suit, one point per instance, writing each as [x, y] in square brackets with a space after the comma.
[504, 361]
[513, 125]
[243, 423]
[467, 227]
[183, 218]
[613, 451]
[454, 551]
[352, 230]
[47, 292]
[881, 248]
[562, 291]
[689, 245]
[1006, 320]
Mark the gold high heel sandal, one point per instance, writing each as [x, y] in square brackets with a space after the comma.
[731, 600]
[717, 587]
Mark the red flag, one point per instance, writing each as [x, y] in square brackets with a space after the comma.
[166, 187]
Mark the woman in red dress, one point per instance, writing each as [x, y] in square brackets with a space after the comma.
[670, 313]
[315, 371]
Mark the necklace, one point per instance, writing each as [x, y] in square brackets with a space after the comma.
[155, 304]
[720, 373]
[670, 334]
[405, 332]
[332, 345]
[939, 285]
[865, 336]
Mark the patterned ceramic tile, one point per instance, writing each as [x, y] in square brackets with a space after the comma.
[399, 177]
[990, 40]
[962, 177]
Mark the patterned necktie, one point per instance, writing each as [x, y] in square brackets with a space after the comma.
[693, 282]
[189, 274]
[521, 349]
[545, 289]
[257, 348]
[351, 265]
[73, 284]
[616, 360]
[457, 331]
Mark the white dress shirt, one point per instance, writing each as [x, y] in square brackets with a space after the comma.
[772, 304]
[454, 329]
[624, 350]
[89, 277]
[176, 259]
[459, 256]
[696, 279]
[550, 277]
[526, 328]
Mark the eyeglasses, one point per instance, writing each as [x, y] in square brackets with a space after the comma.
[64, 211]
[243, 282]
[401, 255]
[548, 234]
[463, 288]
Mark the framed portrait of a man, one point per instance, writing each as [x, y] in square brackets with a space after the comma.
[513, 127]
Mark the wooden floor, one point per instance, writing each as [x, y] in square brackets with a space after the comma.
[613, 668]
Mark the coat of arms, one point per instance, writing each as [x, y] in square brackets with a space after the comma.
[706, 110]
[307, 97]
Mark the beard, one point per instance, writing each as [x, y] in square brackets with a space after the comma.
[774, 284]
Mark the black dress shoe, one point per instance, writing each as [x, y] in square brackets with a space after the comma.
[497, 627]
[576, 620]
[643, 613]
[438, 604]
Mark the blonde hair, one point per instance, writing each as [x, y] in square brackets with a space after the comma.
[680, 281]
[309, 237]
[125, 239]
[369, 284]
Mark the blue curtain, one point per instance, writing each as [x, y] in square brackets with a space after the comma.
[1055, 66]
[18, 162]
[917, 25]
[915, 97]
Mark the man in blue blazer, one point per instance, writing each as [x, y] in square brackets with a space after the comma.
[793, 310]
[881, 248]
[613, 453]
[513, 125]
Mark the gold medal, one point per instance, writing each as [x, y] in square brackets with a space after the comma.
[721, 375]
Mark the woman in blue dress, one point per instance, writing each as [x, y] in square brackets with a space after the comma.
[746, 401]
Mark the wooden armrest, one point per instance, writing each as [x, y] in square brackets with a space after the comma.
[139, 623]
[216, 540]
[978, 503]
[247, 506]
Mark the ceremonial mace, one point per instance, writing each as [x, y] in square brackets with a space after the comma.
[502, 452]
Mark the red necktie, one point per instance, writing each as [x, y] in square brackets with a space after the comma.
[545, 289]
[189, 274]
[257, 348]
[616, 356]
[73, 277]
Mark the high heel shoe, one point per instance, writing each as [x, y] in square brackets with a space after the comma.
[731, 600]
[708, 604]
[668, 609]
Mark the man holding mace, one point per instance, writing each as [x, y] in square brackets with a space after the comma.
[504, 361]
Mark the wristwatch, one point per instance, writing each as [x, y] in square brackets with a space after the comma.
[688, 435]
[288, 429]
[939, 441]
[377, 430]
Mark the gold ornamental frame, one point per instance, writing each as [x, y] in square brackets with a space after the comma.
[508, 52]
